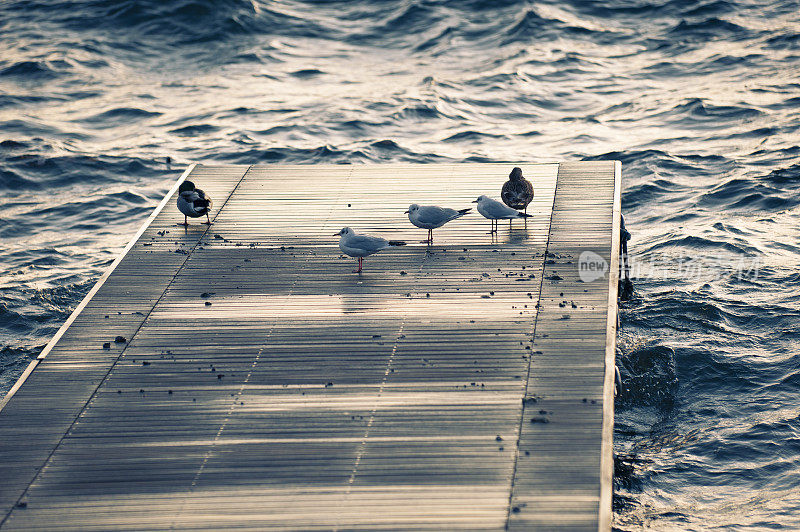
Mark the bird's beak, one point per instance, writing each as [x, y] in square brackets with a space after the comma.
[406, 212]
[337, 234]
[474, 201]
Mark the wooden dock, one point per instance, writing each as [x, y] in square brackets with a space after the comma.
[262, 385]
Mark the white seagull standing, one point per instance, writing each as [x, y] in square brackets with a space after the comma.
[193, 202]
[361, 246]
[494, 210]
[430, 217]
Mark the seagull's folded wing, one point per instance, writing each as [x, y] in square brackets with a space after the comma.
[367, 243]
[498, 210]
[435, 215]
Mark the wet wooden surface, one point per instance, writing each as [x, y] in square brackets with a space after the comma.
[264, 385]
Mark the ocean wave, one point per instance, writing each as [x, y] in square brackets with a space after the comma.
[196, 130]
[648, 376]
[748, 194]
[708, 28]
[365, 152]
[718, 7]
[13, 361]
[786, 41]
[112, 117]
[30, 70]
[37, 129]
[651, 192]
[702, 115]
[42, 171]
[472, 136]
[783, 176]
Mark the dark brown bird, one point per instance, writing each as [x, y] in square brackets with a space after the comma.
[517, 191]
[193, 202]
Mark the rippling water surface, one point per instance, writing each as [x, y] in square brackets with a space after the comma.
[699, 99]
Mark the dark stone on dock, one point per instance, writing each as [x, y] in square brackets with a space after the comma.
[120, 340]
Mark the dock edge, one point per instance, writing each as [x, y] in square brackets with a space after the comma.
[85, 301]
[607, 444]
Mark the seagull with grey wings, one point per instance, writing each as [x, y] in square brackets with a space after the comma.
[430, 217]
[494, 210]
[360, 246]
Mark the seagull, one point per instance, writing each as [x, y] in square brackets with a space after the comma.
[494, 210]
[360, 246]
[430, 217]
[193, 202]
[517, 191]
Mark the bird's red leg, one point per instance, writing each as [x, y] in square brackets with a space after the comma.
[430, 238]
[360, 265]
[208, 220]
[185, 221]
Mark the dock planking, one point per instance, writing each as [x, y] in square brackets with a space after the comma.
[469, 385]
